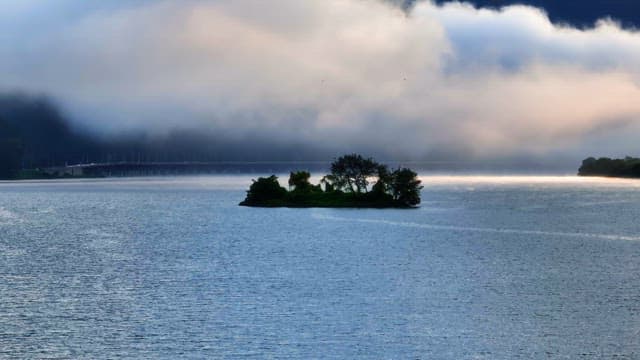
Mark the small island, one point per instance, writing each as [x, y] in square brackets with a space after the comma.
[629, 167]
[347, 186]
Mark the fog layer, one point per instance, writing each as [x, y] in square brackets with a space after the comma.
[431, 81]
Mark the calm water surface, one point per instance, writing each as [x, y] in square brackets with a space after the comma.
[487, 268]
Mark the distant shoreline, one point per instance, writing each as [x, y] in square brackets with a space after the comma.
[628, 168]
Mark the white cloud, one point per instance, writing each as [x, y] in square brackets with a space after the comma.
[336, 72]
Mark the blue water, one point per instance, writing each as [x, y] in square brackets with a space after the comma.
[487, 268]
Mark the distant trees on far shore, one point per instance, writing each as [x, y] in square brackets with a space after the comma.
[627, 167]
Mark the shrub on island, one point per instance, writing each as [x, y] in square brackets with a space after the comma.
[354, 181]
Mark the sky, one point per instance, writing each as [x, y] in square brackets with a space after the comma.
[404, 79]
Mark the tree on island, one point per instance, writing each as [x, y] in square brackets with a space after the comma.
[299, 181]
[265, 189]
[350, 172]
[353, 169]
[346, 186]
[383, 185]
[406, 186]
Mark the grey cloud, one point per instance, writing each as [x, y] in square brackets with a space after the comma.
[336, 74]
[518, 36]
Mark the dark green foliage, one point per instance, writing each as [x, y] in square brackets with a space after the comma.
[265, 190]
[350, 172]
[405, 186]
[383, 184]
[299, 181]
[627, 167]
[399, 189]
[327, 181]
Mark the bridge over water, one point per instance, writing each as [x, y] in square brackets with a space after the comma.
[116, 169]
[132, 168]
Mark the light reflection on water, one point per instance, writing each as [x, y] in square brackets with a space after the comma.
[523, 180]
[490, 267]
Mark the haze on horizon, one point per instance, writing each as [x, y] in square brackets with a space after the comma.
[406, 80]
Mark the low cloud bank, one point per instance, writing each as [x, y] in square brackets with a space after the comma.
[435, 81]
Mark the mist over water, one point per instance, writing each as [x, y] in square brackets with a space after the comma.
[488, 267]
[248, 80]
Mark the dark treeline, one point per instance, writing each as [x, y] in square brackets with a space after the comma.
[627, 167]
[34, 134]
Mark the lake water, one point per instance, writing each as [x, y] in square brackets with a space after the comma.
[488, 268]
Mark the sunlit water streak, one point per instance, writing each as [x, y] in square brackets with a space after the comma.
[549, 180]
[480, 229]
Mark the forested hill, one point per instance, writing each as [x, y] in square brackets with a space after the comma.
[34, 128]
[35, 134]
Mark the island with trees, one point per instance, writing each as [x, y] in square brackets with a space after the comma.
[629, 167]
[354, 182]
